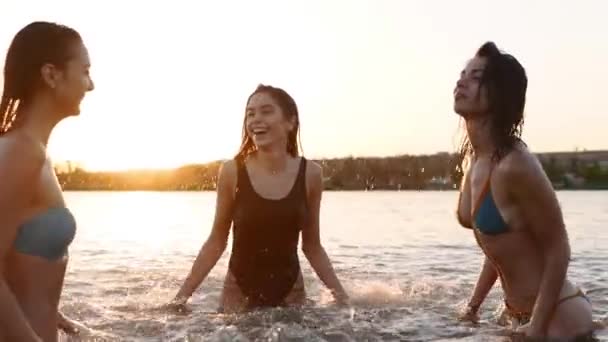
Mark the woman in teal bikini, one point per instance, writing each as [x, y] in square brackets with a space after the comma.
[509, 203]
[46, 75]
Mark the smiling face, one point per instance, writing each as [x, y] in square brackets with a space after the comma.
[470, 96]
[271, 121]
[45, 60]
[69, 83]
[266, 123]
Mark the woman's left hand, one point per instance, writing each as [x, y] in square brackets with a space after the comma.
[529, 332]
[342, 299]
[68, 326]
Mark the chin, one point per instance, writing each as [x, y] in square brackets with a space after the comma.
[68, 111]
[263, 146]
[459, 111]
[267, 145]
[261, 143]
[73, 112]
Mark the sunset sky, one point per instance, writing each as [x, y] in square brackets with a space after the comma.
[370, 77]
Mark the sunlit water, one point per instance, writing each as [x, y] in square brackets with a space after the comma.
[403, 258]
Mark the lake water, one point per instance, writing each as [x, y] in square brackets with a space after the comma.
[407, 264]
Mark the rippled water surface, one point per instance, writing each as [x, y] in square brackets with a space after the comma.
[408, 266]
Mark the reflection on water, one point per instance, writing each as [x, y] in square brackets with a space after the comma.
[401, 255]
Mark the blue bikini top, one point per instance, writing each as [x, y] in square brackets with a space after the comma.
[47, 235]
[486, 214]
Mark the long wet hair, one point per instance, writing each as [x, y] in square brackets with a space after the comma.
[290, 110]
[32, 47]
[506, 83]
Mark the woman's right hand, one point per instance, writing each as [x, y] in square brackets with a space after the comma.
[342, 299]
[68, 326]
[469, 314]
[178, 306]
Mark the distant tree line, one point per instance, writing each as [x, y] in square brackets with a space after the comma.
[406, 172]
[574, 172]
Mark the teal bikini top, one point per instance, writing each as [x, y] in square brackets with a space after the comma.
[486, 215]
[47, 235]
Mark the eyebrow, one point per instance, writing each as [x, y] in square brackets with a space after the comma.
[266, 106]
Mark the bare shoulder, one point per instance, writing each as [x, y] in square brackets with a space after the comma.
[21, 162]
[228, 168]
[521, 168]
[21, 153]
[519, 163]
[227, 174]
[314, 177]
[314, 171]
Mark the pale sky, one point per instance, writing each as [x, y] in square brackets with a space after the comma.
[371, 78]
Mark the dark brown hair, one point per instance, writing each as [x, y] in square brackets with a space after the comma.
[32, 47]
[290, 110]
[506, 83]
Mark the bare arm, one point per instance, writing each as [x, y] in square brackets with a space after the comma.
[19, 167]
[215, 245]
[485, 282]
[311, 241]
[463, 212]
[67, 325]
[488, 275]
[533, 192]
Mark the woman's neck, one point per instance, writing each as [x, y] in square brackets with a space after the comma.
[479, 134]
[38, 120]
[273, 160]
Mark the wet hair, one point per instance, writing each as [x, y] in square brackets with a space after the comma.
[506, 83]
[32, 47]
[290, 110]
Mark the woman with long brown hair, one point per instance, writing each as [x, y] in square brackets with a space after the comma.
[509, 203]
[269, 195]
[46, 76]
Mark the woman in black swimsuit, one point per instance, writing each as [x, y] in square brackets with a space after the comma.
[269, 195]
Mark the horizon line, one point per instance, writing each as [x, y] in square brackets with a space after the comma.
[83, 167]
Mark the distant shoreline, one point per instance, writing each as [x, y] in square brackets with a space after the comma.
[587, 170]
[328, 190]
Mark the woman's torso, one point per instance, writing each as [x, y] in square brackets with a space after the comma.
[269, 213]
[504, 235]
[36, 264]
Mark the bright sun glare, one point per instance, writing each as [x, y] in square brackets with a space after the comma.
[371, 78]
